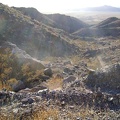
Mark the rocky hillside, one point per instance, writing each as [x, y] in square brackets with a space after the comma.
[108, 27]
[73, 83]
[67, 23]
[36, 38]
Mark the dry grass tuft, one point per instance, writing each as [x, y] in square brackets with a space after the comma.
[49, 114]
[55, 83]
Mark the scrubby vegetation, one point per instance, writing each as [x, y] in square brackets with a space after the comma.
[12, 70]
[45, 113]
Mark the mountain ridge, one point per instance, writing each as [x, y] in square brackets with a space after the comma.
[104, 8]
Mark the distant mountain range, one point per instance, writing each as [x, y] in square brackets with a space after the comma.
[104, 8]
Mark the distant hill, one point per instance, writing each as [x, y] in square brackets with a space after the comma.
[67, 23]
[102, 9]
[110, 22]
[108, 27]
[97, 32]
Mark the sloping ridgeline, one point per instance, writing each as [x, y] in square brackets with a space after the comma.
[60, 21]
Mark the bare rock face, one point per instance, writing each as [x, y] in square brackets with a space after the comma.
[108, 78]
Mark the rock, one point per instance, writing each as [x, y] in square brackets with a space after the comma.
[37, 88]
[76, 66]
[48, 72]
[107, 78]
[71, 107]
[69, 79]
[67, 70]
[63, 104]
[26, 90]
[44, 78]
[18, 86]
[78, 118]
[15, 110]
[27, 101]
[3, 94]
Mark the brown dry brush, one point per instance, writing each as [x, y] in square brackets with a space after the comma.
[53, 113]
[39, 114]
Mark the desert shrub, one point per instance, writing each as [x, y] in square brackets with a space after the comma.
[11, 70]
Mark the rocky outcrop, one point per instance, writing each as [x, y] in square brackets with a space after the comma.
[108, 78]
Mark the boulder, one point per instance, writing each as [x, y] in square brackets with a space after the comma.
[18, 86]
[48, 72]
[27, 101]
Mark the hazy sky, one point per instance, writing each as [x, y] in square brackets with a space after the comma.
[59, 5]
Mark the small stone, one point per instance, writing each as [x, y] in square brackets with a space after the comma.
[15, 110]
